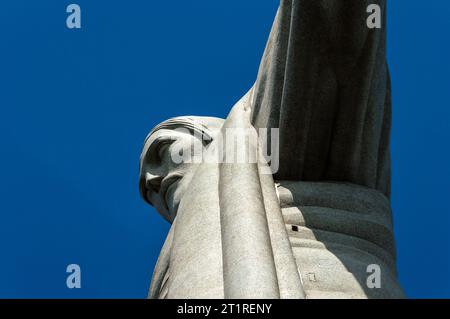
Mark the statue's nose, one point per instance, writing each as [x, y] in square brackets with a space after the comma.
[153, 181]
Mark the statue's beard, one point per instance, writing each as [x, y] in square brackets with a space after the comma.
[170, 193]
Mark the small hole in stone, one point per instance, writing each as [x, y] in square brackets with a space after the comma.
[294, 228]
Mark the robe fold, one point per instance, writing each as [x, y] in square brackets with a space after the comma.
[324, 82]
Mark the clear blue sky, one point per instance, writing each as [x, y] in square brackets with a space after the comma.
[76, 105]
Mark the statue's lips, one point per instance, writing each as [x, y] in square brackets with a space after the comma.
[168, 185]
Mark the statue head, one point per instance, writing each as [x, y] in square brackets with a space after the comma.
[170, 157]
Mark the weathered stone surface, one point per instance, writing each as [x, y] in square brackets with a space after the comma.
[236, 233]
[324, 82]
[336, 230]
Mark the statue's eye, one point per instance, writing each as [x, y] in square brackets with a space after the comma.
[162, 150]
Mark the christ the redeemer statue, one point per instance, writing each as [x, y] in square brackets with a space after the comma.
[320, 225]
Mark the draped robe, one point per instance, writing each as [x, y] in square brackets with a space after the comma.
[324, 82]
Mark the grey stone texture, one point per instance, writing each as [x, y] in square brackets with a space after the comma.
[324, 82]
[312, 229]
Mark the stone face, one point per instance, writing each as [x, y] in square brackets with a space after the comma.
[321, 227]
